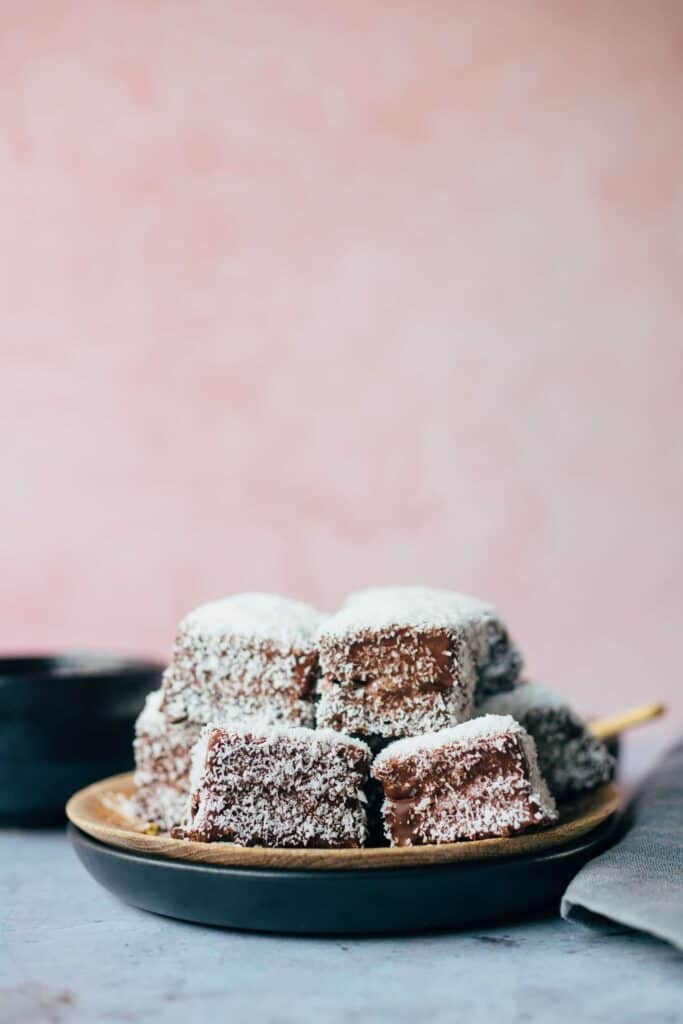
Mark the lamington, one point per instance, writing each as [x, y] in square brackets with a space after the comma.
[571, 760]
[475, 781]
[274, 786]
[400, 661]
[497, 661]
[163, 754]
[247, 656]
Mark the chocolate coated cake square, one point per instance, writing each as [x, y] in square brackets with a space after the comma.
[247, 656]
[474, 781]
[400, 661]
[278, 787]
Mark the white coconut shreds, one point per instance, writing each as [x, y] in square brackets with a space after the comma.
[163, 755]
[260, 730]
[151, 719]
[160, 804]
[381, 608]
[499, 660]
[478, 780]
[409, 615]
[394, 662]
[162, 749]
[485, 726]
[522, 699]
[286, 623]
[355, 710]
[540, 792]
[278, 787]
[240, 684]
[252, 655]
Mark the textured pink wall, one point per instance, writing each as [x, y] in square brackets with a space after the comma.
[303, 297]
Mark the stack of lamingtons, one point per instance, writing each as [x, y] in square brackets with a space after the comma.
[400, 718]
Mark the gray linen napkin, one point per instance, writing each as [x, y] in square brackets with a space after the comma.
[639, 882]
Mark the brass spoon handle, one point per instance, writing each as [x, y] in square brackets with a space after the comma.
[604, 728]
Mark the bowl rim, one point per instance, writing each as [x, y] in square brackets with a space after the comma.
[73, 664]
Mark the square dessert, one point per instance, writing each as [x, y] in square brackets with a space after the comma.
[400, 661]
[278, 787]
[571, 760]
[247, 656]
[474, 781]
[497, 662]
[163, 755]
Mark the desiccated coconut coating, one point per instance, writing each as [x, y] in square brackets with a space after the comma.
[159, 804]
[571, 759]
[399, 661]
[248, 656]
[497, 661]
[278, 787]
[163, 754]
[474, 781]
[394, 662]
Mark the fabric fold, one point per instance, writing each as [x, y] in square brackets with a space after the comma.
[639, 881]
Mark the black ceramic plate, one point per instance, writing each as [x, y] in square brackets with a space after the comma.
[65, 721]
[342, 902]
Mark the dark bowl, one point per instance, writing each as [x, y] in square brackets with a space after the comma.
[65, 721]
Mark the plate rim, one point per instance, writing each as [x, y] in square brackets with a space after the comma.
[607, 828]
[87, 812]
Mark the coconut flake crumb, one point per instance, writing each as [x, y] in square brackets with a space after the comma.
[386, 612]
[252, 655]
[151, 720]
[521, 700]
[268, 732]
[278, 787]
[381, 608]
[286, 623]
[476, 728]
[477, 780]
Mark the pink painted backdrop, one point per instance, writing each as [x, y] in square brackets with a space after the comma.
[306, 297]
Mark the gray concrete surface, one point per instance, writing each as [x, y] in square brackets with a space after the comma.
[71, 953]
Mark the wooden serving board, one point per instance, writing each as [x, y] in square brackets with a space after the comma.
[94, 811]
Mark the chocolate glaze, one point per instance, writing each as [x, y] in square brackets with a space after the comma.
[444, 788]
[403, 822]
[404, 661]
